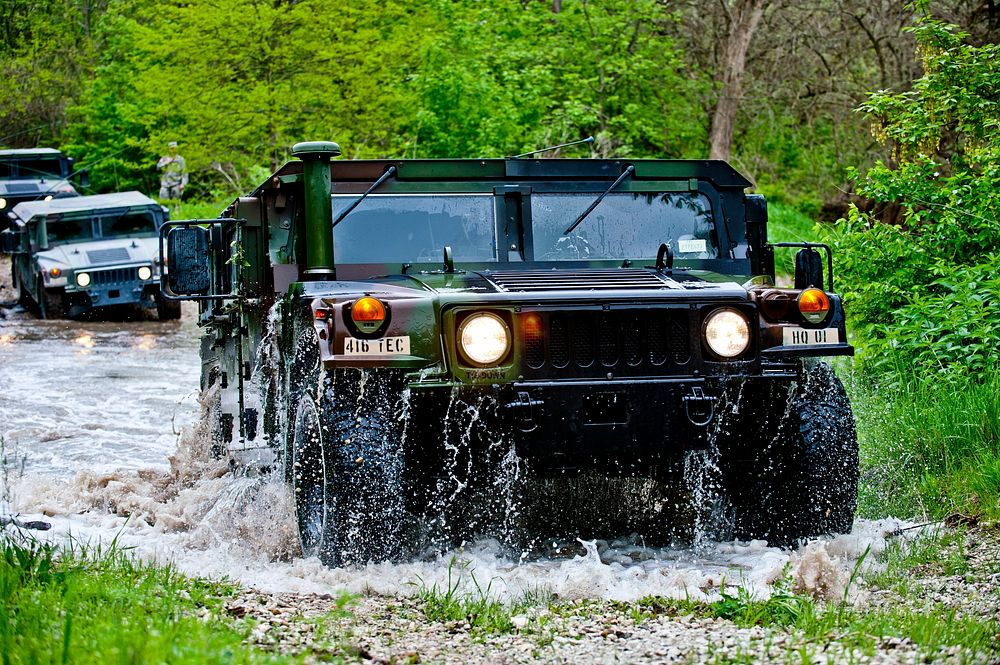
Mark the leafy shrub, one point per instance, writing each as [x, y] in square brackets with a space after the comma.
[927, 287]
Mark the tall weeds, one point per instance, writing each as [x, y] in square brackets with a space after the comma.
[929, 447]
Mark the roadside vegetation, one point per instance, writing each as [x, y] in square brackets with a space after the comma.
[81, 604]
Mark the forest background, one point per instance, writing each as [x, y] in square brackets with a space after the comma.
[882, 115]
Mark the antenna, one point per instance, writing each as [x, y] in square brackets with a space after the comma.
[589, 139]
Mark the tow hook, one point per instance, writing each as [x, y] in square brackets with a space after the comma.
[700, 408]
[524, 410]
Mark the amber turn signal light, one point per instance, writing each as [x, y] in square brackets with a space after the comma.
[368, 314]
[814, 305]
[368, 310]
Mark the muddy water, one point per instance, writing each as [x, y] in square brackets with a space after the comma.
[95, 395]
[90, 414]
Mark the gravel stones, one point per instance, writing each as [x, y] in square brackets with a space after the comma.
[393, 629]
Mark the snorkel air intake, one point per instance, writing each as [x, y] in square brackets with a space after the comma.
[316, 156]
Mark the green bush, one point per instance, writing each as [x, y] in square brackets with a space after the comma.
[927, 287]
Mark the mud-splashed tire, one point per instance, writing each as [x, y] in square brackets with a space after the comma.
[23, 297]
[360, 419]
[343, 455]
[347, 449]
[52, 303]
[803, 480]
[828, 470]
[167, 310]
[313, 510]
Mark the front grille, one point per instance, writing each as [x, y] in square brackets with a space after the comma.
[538, 281]
[590, 343]
[114, 276]
[113, 255]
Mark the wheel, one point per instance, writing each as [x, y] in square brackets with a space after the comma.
[790, 465]
[309, 483]
[167, 310]
[52, 302]
[23, 297]
[344, 443]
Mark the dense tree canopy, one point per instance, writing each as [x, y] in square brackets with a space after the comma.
[238, 81]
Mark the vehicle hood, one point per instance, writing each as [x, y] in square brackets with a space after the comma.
[99, 253]
[544, 284]
[597, 282]
[30, 188]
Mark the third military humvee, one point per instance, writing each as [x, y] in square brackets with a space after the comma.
[34, 174]
[407, 340]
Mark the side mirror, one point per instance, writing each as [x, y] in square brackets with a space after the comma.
[82, 178]
[11, 241]
[188, 270]
[808, 269]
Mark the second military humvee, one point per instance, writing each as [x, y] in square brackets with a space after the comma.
[407, 340]
[34, 174]
[76, 254]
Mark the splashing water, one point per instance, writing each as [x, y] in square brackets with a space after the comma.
[103, 464]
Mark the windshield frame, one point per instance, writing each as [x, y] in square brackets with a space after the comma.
[512, 191]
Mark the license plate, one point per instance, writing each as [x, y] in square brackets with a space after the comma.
[385, 346]
[795, 336]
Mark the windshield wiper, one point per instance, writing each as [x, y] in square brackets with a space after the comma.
[629, 170]
[385, 176]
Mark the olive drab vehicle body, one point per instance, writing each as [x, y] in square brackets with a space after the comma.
[392, 334]
[35, 174]
[74, 255]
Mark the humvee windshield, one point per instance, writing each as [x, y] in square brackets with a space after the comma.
[133, 225]
[624, 225]
[61, 231]
[415, 228]
[32, 168]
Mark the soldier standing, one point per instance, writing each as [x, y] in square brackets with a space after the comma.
[175, 176]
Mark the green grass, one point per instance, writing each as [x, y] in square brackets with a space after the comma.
[929, 448]
[478, 608]
[199, 209]
[812, 625]
[81, 605]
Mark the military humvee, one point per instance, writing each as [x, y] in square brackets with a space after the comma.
[75, 254]
[398, 335]
[33, 175]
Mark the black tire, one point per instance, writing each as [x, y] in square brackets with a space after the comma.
[52, 302]
[795, 476]
[167, 310]
[345, 449]
[23, 297]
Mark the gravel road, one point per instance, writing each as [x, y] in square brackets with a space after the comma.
[380, 629]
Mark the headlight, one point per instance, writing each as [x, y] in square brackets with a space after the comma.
[3, 203]
[145, 273]
[727, 332]
[48, 198]
[82, 279]
[484, 339]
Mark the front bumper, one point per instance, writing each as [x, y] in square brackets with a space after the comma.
[110, 286]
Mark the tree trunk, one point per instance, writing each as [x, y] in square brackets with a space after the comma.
[744, 17]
